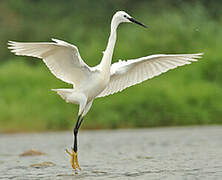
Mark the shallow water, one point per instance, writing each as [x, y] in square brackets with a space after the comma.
[161, 153]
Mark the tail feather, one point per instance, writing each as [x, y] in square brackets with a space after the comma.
[64, 93]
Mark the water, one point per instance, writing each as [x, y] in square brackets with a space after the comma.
[163, 153]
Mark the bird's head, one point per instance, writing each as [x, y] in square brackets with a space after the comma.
[121, 17]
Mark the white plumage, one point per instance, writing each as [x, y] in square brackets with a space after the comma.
[128, 73]
[64, 61]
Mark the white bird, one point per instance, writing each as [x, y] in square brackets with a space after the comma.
[64, 61]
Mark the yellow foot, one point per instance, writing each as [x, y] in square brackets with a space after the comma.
[74, 160]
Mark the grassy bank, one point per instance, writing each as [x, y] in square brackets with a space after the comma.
[185, 96]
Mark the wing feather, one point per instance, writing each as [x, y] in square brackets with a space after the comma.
[128, 73]
[62, 59]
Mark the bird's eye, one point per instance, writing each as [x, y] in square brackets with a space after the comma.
[125, 16]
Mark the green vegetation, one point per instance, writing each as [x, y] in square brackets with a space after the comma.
[186, 96]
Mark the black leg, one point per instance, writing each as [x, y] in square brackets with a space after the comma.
[73, 154]
[80, 123]
[75, 131]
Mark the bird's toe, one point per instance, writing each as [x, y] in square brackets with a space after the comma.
[73, 160]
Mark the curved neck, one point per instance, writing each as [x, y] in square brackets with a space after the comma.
[108, 53]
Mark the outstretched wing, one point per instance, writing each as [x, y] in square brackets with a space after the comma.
[63, 59]
[128, 73]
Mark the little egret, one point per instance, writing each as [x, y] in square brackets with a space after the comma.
[64, 61]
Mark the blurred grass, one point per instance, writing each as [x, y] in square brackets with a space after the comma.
[186, 96]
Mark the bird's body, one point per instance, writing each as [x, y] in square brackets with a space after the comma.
[64, 61]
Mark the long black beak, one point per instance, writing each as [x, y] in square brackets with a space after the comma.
[137, 22]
